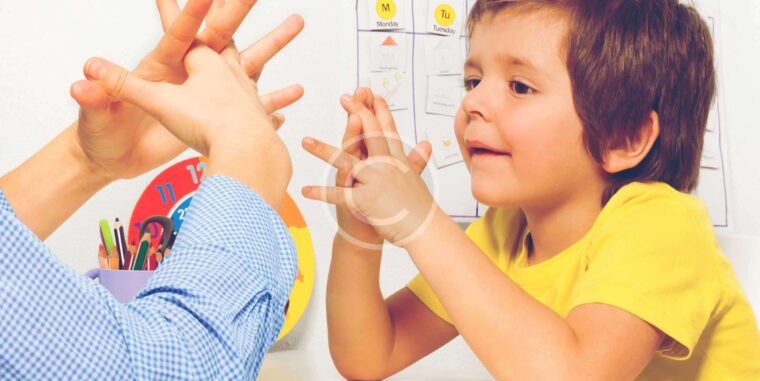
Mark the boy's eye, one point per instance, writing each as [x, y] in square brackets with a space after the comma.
[520, 88]
[470, 84]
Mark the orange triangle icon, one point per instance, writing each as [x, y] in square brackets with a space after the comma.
[389, 42]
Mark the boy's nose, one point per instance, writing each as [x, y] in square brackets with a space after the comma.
[474, 105]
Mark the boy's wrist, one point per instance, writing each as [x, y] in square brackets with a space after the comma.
[428, 231]
[342, 242]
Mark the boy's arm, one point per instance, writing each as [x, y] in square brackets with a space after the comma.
[372, 338]
[515, 335]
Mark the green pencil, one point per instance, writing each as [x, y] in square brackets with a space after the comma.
[105, 229]
[141, 252]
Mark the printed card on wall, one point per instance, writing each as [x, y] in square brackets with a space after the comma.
[711, 151]
[386, 14]
[388, 52]
[444, 94]
[445, 18]
[444, 56]
[394, 87]
[445, 148]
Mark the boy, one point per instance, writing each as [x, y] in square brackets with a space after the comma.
[582, 125]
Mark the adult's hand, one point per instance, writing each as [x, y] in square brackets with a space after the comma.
[232, 128]
[119, 140]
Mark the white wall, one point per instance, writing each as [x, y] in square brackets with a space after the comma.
[45, 44]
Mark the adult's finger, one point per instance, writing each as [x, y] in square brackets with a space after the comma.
[219, 30]
[181, 33]
[201, 58]
[93, 104]
[373, 136]
[259, 53]
[89, 95]
[281, 98]
[277, 120]
[168, 11]
[156, 98]
[230, 54]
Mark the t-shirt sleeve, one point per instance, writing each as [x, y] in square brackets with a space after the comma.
[657, 261]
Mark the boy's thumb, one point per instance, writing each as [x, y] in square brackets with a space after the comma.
[420, 156]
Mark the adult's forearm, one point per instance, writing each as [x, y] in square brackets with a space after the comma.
[45, 190]
[359, 326]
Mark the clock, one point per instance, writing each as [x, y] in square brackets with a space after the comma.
[170, 193]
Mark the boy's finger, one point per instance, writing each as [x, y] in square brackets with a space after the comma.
[282, 98]
[219, 30]
[388, 125]
[181, 33]
[337, 158]
[216, 6]
[353, 141]
[331, 195]
[376, 143]
[366, 97]
[420, 156]
[257, 55]
[168, 11]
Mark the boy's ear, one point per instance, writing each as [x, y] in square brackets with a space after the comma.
[634, 151]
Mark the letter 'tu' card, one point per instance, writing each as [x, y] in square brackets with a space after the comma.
[445, 17]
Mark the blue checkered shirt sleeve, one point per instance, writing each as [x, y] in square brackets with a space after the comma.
[211, 311]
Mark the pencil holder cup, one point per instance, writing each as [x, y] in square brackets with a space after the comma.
[122, 284]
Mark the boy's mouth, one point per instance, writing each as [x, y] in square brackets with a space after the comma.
[479, 148]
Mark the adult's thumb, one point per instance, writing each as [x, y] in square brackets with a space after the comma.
[122, 85]
[93, 102]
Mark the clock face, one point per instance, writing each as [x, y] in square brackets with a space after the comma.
[170, 193]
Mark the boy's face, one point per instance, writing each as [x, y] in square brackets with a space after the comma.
[517, 126]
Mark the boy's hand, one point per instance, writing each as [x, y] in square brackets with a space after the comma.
[352, 226]
[217, 112]
[385, 187]
[120, 140]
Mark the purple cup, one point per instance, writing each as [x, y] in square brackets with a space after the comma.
[123, 284]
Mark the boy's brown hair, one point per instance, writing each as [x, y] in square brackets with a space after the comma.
[627, 58]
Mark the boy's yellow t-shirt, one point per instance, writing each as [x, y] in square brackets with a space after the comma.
[652, 251]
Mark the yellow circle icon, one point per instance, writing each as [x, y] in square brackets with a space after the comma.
[445, 15]
[386, 9]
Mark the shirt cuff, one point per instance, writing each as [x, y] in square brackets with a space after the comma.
[225, 212]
